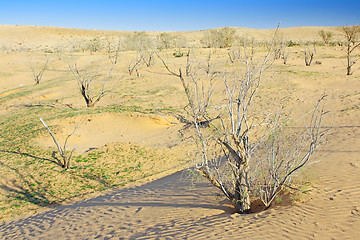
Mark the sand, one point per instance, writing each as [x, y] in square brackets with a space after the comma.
[175, 206]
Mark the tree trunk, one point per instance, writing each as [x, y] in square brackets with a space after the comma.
[348, 72]
[242, 191]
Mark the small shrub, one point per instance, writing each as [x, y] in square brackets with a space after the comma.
[178, 54]
[326, 36]
[291, 43]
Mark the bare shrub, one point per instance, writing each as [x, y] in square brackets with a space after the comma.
[138, 40]
[65, 160]
[165, 41]
[38, 71]
[309, 54]
[247, 49]
[280, 49]
[94, 45]
[59, 51]
[277, 46]
[86, 79]
[234, 55]
[219, 38]
[352, 34]
[133, 66]
[243, 148]
[286, 150]
[147, 56]
[326, 36]
[285, 55]
[113, 48]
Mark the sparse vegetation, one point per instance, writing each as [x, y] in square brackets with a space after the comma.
[221, 38]
[225, 98]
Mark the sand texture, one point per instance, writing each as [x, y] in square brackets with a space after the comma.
[173, 208]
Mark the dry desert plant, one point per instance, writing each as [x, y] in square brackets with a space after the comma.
[242, 165]
[221, 38]
[164, 41]
[65, 162]
[309, 55]
[352, 35]
[114, 47]
[225, 156]
[234, 55]
[285, 151]
[94, 45]
[86, 80]
[38, 71]
[138, 40]
[243, 151]
[326, 36]
[147, 56]
[198, 83]
[133, 66]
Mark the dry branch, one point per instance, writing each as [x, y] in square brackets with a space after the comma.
[66, 158]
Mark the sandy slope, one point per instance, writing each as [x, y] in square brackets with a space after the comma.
[98, 130]
[171, 208]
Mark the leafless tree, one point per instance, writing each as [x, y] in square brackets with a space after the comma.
[309, 55]
[239, 149]
[279, 48]
[59, 51]
[38, 71]
[226, 157]
[242, 166]
[234, 55]
[113, 49]
[86, 81]
[352, 34]
[133, 65]
[65, 162]
[147, 56]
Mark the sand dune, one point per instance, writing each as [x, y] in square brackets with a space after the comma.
[171, 208]
[176, 206]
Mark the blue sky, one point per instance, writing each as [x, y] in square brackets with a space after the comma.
[161, 15]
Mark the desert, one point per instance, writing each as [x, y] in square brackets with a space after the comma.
[132, 173]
